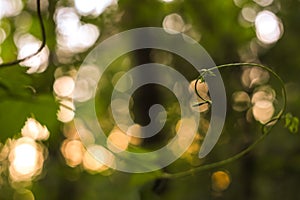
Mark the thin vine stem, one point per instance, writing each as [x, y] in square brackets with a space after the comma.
[265, 131]
[198, 94]
[43, 32]
[215, 164]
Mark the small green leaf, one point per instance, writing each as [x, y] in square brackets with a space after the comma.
[288, 119]
[206, 72]
[292, 123]
[293, 128]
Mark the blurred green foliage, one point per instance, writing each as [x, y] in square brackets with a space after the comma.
[271, 171]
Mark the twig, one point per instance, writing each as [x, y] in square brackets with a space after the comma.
[43, 40]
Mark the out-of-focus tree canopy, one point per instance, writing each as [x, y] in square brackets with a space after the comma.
[41, 154]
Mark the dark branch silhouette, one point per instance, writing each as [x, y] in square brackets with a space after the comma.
[6, 64]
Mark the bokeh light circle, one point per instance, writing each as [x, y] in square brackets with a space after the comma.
[155, 38]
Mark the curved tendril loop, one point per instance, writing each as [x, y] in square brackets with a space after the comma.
[266, 128]
[201, 78]
[197, 93]
[43, 32]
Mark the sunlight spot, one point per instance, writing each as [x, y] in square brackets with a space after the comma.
[254, 76]
[67, 21]
[85, 7]
[220, 181]
[72, 150]
[35, 130]
[269, 29]
[66, 111]
[264, 3]
[173, 23]
[92, 7]
[263, 104]
[194, 148]
[10, 8]
[258, 76]
[117, 141]
[64, 86]
[72, 35]
[185, 128]
[263, 111]
[26, 159]
[263, 93]
[135, 133]
[86, 135]
[91, 164]
[28, 45]
[239, 3]
[248, 13]
[84, 91]
[167, 1]
[102, 155]
[241, 101]
[70, 131]
[262, 100]
[86, 36]
[91, 72]
[86, 84]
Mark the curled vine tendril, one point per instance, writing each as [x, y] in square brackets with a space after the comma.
[43, 32]
[201, 78]
[290, 122]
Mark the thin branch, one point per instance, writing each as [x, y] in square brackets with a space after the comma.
[11, 63]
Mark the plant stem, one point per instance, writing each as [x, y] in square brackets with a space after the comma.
[264, 130]
[17, 61]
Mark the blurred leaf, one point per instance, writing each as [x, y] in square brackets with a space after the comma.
[141, 179]
[15, 81]
[292, 123]
[14, 113]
